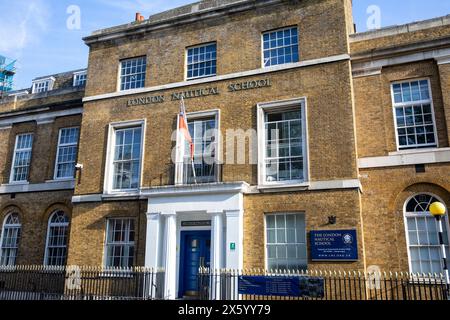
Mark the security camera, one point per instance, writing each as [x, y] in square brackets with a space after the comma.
[79, 166]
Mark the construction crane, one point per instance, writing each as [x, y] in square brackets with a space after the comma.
[7, 72]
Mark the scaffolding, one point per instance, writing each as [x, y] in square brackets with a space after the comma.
[7, 72]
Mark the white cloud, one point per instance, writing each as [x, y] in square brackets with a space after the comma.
[23, 24]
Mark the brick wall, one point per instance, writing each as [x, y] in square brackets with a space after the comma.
[374, 110]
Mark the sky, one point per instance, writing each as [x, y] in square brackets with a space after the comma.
[45, 36]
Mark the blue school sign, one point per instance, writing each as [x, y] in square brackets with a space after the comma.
[282, 286]
[334, 245]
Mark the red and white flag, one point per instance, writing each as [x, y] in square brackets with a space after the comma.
[183, 129]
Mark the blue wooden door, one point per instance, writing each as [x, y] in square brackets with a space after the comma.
[196, 253]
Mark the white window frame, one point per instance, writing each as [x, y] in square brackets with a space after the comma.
[109, 170]
[186, 59]
[55, 175]
[266, 244]
[119, 73]
[19, 226]
[275, 106]
[179, 174]
[106, 244]
[276, 30]
[11, 177]
[77, 74]
[50, 81]
[412, 103]
[407, 215]
[53, 224]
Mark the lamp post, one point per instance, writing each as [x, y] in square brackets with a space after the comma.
[438, 210]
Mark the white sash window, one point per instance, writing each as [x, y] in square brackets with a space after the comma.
[57, 237]
[9, 241]
[423, 237]
[22, 158]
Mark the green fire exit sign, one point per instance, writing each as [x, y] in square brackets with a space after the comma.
[232, 246]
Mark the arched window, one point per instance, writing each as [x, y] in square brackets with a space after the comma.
[57, 235]
[9, 241]
[422, 235]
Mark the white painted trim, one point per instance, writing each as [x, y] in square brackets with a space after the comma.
[199, 189]
[87, 198]
[359, 68]
[302, 64]
[107, 184]
[218, 188]
[275, 105]
[313, 186]
[443, 60]
[37, 187]
[409, 157]
[39, 117]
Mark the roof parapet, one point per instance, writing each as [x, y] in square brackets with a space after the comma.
[399, 29]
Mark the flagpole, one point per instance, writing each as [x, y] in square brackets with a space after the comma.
[190, 146]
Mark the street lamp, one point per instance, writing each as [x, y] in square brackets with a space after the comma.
[438, 210]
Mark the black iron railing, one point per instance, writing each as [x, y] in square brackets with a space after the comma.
[80, 283]
[204, 173]
[319, 285]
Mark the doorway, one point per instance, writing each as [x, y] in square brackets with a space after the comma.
[195, 252]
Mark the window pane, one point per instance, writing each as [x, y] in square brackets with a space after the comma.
[282, 47]
[120, 243]
[414, 122]
[22, 157]
[67, 153]
[133, 73]
[10, 237]
[202, 61]
[127, 156]
[423, 241]
[286, 245]
[284, 146]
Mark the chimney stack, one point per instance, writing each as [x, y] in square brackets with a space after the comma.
[139, 17]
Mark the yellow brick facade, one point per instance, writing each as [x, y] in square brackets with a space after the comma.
[356, 171]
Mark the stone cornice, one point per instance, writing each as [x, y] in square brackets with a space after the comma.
[193, 14]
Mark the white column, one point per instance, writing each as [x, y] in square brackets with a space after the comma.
[216, 252]
[217, 240]
[234, 235]
[153, 241]
[170, 250]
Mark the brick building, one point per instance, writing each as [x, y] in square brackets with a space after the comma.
[39, 129]
[308, 126]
